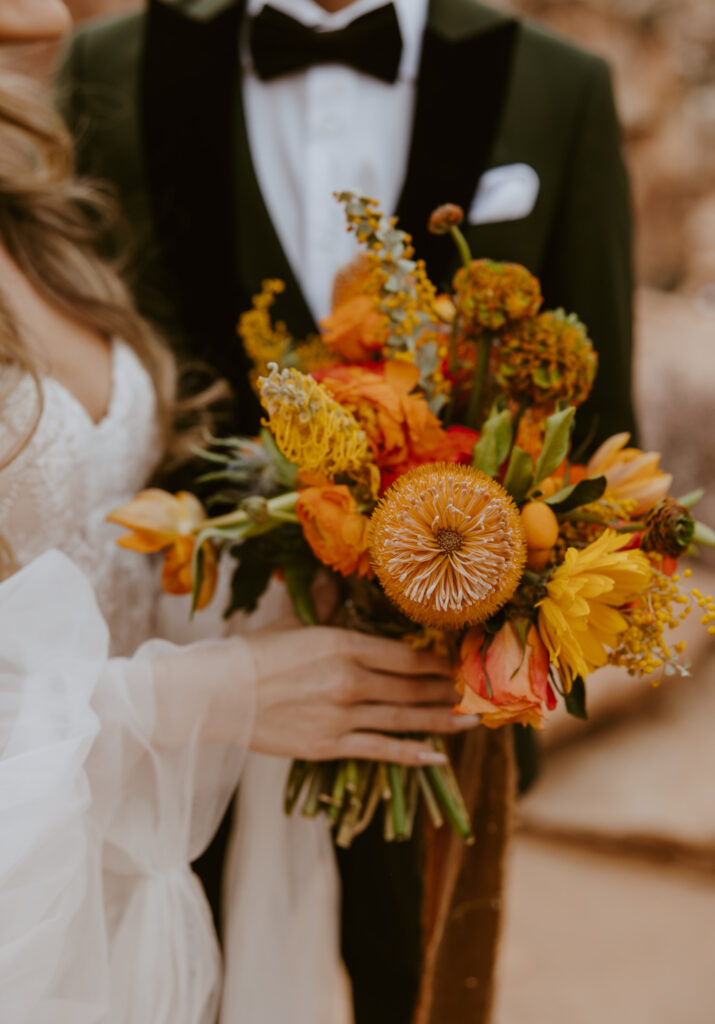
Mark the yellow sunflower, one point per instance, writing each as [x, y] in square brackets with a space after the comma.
[579, 619]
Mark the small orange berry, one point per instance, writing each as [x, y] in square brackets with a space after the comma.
[541, 527]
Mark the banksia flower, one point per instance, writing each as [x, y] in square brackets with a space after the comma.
[490, 294]
[669, 528]
[314, 431]
[544, 360]
[447, 545]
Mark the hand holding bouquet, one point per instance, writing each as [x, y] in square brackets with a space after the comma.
[420, 450]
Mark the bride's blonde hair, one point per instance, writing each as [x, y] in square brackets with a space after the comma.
[53, 225]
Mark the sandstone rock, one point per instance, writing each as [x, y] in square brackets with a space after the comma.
[674, 374]
[642, 784]
[591, 939]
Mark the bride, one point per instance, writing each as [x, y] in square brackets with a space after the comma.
[119, 751]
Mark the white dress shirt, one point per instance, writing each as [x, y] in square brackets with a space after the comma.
[327, 129]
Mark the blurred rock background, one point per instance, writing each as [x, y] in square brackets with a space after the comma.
[610, 906]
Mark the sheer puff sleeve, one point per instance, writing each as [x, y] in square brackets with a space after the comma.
[114, 773]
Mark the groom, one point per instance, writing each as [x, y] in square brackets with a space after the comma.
[227, 125]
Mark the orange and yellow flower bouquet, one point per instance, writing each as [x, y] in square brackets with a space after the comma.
[420, 449]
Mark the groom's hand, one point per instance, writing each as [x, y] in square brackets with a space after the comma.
[324, 694]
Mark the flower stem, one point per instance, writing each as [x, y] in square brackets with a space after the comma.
[430, 799]
[281, 504]
[446, 789]
[312, 802]
[397, 805]
[462, 245]
[352, 776]
[299, 772]
[338, 793]
[480, 373]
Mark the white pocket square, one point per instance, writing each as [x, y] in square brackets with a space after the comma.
[504, 193]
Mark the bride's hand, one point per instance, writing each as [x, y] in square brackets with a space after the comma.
[326, 693]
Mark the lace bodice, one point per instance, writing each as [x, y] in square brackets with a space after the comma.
[58, 491]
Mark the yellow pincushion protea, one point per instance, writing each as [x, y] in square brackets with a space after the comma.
[314, 431]
[446, 543]
[579, 619]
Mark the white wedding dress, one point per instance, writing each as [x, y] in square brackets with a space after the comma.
[119, 754]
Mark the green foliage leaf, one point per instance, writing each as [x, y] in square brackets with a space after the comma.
[576, 699]
[582, 493]
[248, 583]
[493, 446]
[299, 576]
[258, 557]
[703, 534]
[557, 433]
[519, 474]
[286, 473]
[691, 499]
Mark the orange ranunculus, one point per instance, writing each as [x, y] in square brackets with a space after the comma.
[510, 682]
[159, 520]
[355, 329]
[456, 445]
[334, 528]
[631, 474]
[401, 427]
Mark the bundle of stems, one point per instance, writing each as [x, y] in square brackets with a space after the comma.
[350, 792]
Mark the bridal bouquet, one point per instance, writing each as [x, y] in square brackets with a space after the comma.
[420, 450]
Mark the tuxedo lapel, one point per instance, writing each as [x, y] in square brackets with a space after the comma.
[188, 110]
[259, 252]
[462, 85]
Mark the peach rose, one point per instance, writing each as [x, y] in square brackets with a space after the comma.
[509, 683]
[334, 528]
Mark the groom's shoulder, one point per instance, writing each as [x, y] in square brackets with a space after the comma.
[555, 73]
[544, 53]
[103, 48]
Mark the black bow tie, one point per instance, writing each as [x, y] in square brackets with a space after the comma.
[372, 43]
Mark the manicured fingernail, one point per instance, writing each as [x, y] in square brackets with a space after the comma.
[468, 721]
[432, 757]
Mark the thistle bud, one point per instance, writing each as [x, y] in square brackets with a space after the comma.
[669, 528]
[256, 508]
[445, 217]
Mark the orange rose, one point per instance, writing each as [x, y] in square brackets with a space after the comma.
[334, 528]
[400, 424]
[508, 683]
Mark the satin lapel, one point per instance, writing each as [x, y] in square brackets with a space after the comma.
[187, 108]
[461, 91]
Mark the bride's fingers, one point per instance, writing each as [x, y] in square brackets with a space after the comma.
[402, 718]
[391, 689]
[396, 656]
[374, 747]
